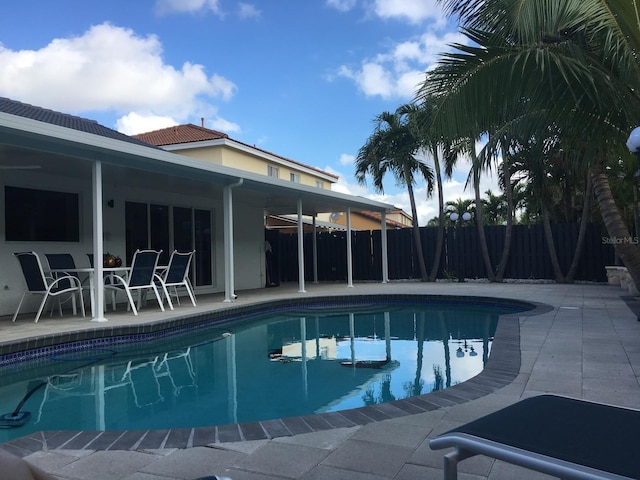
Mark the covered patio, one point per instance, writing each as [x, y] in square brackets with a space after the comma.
[130, 195]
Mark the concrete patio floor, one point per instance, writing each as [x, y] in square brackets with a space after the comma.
[586, 346]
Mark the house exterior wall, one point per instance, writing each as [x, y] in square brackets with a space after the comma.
[401, 217]
[206, 154]
[248, 233]
[242, 160]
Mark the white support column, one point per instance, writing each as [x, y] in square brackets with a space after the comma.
[349, 254]
[97, 292]
[315, 251]
[300, 250]
[385, 256]
[227, 207]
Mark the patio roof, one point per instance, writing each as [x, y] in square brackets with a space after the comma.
[36, 138]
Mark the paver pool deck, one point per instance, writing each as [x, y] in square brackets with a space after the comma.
[583, 341]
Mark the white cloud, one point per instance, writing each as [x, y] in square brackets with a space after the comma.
[247, 10]
[346, 159]
[223, 125]
[222, 87]
[398, 72]
[342, 5]
[343, 186]
[134, 123]
[413, 11]
[110, 69]
[187, 6]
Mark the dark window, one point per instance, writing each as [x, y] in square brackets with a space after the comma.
[182, 229]
[160, 231]
[137, 228]
[41, 215]
[204, 255]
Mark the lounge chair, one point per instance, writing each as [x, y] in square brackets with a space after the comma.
[559, 436]
[48, 287]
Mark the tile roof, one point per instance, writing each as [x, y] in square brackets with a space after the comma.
[180, 134]
[13, 107]
[192, 133]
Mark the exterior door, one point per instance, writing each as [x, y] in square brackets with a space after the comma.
[164, 227]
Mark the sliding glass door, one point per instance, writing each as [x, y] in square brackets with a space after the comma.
[164, 227]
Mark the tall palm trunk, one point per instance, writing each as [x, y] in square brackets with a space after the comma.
[583, 230]
[551, 246]
[618, 231]
[479, 220]
[416, 234]
[508, 233]
[440, 238]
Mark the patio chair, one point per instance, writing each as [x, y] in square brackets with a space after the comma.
[140, 277]
[63, 261]
[39, 284]
[177, 275]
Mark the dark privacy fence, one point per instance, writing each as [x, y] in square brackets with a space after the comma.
[461, 253]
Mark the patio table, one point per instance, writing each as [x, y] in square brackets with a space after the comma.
[90, 271]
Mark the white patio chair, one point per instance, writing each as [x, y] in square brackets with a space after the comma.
[39, 284]
[140, 278]
[177, 275]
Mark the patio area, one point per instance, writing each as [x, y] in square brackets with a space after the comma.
[586, 345]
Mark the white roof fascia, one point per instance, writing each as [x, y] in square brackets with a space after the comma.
[228, 142]
[57, 132]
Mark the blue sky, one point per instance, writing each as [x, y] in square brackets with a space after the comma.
[300, 78]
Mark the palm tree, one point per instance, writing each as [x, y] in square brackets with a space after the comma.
[434, 144]
[572, 63]
[495, 208]
[459, 206]
[392, 148]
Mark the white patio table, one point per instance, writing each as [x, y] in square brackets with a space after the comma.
[89, 271]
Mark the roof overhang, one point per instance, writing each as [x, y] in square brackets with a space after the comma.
[27, 142]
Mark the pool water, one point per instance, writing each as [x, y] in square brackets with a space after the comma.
[284, 364]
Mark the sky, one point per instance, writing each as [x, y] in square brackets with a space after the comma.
[303, 79]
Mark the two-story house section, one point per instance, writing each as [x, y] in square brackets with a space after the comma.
[217, 147]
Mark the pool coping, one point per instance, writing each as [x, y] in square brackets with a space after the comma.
[501, 369]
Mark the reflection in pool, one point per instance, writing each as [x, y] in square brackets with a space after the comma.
[286, 364]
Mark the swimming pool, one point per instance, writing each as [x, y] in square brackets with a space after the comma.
[293, 361]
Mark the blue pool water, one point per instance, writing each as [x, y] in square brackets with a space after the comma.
[262, 367]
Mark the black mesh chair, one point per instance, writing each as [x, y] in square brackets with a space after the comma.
[65, 265]
[39, 284]
[61, 261]
[140, 277]
[177, 275]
